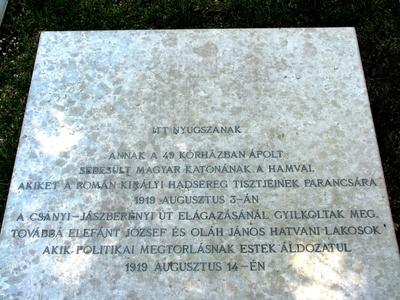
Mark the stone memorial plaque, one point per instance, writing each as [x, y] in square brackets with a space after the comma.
[198, 164]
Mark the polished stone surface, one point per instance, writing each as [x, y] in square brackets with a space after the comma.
[245, 160]
[3, 5]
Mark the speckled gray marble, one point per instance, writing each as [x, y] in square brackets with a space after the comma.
[3, 5]
[198, 164]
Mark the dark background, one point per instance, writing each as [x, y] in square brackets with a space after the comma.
[376, 23]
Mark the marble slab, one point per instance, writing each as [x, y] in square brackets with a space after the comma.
[3, 5]
[198, 164]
